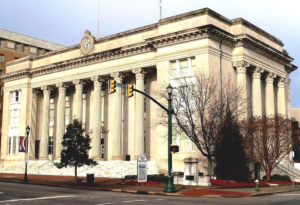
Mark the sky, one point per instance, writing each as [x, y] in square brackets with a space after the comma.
[64, 21]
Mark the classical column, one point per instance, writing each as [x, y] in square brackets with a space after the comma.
[270, 101]
[96, 142]
[256, 92]
[78, 108]
[281, 100]
[117, 119]
[139, 113]
[45, 123]
[60, 129]
[33, 114]
[241, 69]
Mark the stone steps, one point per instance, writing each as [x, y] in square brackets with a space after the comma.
[113, 169]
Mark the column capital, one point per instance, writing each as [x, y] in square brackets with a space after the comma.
[78, 83]
[62, 86]
[281, 83]
[117, 76]
[270, 78]
[34, 92]
[241, 63]
[47, 89]
[257, 71]
[139, 73]
[97, 80]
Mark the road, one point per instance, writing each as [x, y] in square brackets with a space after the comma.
[14, 193]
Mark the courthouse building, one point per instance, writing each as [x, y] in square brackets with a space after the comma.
[52, 89]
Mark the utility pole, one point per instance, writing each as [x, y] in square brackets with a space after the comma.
[160, 9]
[98, 19]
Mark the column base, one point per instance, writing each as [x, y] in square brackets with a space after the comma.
[98, 158]
[117, 158]
[44, 158]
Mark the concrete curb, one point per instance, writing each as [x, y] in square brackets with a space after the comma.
[130, 191]
[98, 188]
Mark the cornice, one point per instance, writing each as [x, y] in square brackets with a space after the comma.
[25, 73]
[21, 60]
[207, 31]
[254, 44]
[193, 14]
[93, 59]
[150, 45]
[256, 29]
[290, 68]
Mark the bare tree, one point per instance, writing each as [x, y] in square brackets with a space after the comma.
[199, 109]
[272, 140]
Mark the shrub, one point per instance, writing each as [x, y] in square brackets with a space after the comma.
[278, 177]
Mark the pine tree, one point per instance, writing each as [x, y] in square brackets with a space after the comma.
[76, 146]
[230, 156]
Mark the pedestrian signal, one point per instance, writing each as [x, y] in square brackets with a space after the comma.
[129, 90]
[174, 148]
[112, 86]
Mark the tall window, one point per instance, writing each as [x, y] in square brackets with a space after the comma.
[184, 66]
[51, 120]
[2, 43]
[18, 47]
[39, 51]
[15, 97]
[25, 49]
[67, 116]
[1, 59]
[50, 147]
[13, 142]
[14, 122]
[182, 140]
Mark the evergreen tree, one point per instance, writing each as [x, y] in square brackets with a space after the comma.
[76, 146]
[230, 156]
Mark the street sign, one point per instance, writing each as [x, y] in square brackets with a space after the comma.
[142, 168]
[26, 157]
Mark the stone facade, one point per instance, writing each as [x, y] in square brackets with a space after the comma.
[65, 84]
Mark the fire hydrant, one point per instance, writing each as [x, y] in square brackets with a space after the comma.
[256, 185]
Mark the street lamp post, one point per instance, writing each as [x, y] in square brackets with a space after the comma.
[26, 153]
[170, 185]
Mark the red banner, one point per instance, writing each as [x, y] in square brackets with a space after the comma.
[22, 144]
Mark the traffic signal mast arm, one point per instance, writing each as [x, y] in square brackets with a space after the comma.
[151, 98]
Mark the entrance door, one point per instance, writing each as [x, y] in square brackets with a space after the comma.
[102, 148]
[256, 171]
[37, 149]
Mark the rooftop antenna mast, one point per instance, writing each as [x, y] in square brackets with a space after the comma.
[160, 9]
[98, 19]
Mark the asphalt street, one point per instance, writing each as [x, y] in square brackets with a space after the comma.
[14, 193]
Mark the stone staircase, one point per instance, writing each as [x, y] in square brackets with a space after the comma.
[112, 169]
[286, 168]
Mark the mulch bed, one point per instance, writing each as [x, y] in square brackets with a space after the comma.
[234, 184]
[210, 192]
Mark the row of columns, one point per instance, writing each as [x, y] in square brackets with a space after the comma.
[98, 114]
[241, 68]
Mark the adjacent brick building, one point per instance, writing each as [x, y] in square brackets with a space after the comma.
[14, 46]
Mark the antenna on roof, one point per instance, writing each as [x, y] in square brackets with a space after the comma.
[98, 20]
[160, 9]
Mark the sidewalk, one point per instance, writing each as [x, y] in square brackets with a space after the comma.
[155, 188]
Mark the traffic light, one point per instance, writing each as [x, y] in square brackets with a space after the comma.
[112, 86]
[129, 90]
[174, 148]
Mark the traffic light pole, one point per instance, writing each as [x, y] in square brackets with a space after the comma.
[170, 185]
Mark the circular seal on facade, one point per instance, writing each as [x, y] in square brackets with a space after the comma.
[87, 43]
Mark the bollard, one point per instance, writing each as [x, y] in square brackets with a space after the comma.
[256, 185]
